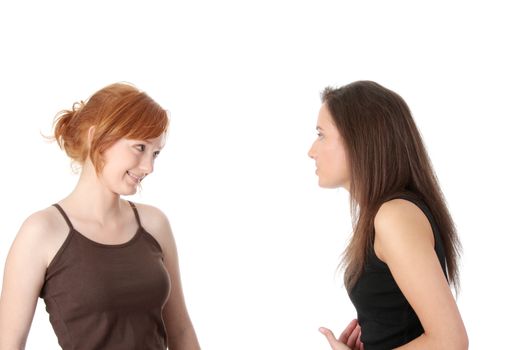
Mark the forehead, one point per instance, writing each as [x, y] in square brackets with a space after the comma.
[324, 120]
[158, 141]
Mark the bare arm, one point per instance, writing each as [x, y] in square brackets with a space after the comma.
[405, 242]
[23, 278]
[181, 334]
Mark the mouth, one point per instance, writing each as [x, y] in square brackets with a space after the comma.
[135, 178]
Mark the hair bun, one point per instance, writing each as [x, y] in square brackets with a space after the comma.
[64, 127]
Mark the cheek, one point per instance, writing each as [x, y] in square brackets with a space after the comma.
[113, 168]
[336, 163]
[108, 173]
[333, 154]
[341, 158]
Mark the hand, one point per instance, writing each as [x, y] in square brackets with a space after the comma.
[350, 339]
[351, 336]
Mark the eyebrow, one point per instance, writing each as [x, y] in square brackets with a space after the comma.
[318, 128]
[139, 141]
[149, 143]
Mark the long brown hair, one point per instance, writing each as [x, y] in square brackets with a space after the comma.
[387, 157]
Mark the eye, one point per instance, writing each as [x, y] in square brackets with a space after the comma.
[319, 135]
[141, 147]
[156, 154]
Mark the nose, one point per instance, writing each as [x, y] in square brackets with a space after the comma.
[146, 165]
[311, 151]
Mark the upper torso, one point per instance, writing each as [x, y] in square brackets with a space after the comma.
[386, 318]
[105, 296]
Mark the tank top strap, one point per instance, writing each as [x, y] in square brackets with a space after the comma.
[136, 212]
[63, 213]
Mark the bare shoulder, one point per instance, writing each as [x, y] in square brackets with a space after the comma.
[399, 224]
[155, 222]
[400, 215]
[40, 225]
[41, 233]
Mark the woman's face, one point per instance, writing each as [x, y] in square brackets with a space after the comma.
[128, 161]
[329, 153]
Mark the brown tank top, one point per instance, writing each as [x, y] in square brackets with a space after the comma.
[101, 296]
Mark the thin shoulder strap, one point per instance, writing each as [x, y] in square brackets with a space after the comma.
[135, 211]
[64, 215]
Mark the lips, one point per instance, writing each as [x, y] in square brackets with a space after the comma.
[135, 178]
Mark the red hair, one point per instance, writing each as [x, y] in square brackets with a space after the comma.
[116, 111]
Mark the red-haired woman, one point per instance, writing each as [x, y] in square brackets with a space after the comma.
[106, 268]
[404, 249]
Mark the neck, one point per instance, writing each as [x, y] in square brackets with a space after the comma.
[92, 199]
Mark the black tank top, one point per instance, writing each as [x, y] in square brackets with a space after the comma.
[386, 318]
[101, 296]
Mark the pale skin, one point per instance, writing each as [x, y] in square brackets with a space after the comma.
[107, 220]
[405, 242]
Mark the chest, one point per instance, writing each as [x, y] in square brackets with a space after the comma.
[87, 277]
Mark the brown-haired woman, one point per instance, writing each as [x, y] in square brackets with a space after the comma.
[404, 250]
[106, 268]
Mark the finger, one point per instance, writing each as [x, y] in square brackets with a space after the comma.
[348, 330]
[359, 344]
[329, 336]
[354, 336]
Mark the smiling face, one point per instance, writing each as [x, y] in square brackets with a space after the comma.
[127, 162]
[329, 153]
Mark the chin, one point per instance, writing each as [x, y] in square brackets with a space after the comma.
[329, 184]
[127, 191]
[324, 184]
[132, 192]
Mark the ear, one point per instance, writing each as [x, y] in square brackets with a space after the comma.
[90, 134]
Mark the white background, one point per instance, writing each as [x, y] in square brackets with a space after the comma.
[258, 241]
